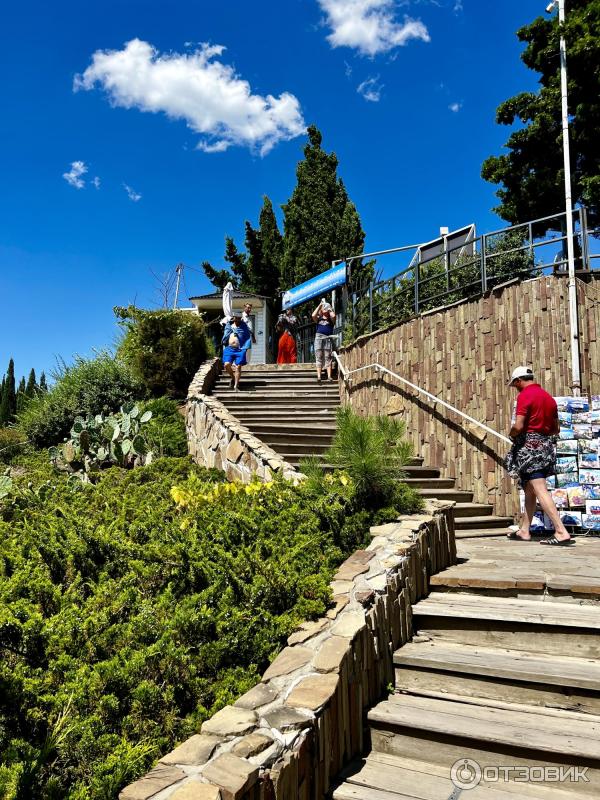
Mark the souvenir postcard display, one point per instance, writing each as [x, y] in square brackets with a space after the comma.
[576, 485]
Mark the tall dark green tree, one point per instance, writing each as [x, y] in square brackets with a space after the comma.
[320, 221]
[32, 386]
[21, 394]
[43, 386]
[9, 396]
[531, 174]
[258, 268]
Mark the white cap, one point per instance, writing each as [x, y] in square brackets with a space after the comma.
[521, 372]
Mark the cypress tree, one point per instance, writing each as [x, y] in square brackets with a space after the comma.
[32, 386]
[271, 242]
[9, 396]
[320, 222]
[2, 387]
[21, 394]
[43, 385]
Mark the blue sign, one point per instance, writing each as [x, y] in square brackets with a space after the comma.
[336, 276]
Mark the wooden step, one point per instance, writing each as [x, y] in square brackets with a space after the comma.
[478, 510]
[500, 674]
[482, 521]
[449, 730]
[430, 483]
[446, 494]
[533, 625]
[385, 777]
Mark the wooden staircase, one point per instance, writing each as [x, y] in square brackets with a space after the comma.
[502, 679]
[286, 408]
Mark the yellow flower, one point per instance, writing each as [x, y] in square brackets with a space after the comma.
[344, 479]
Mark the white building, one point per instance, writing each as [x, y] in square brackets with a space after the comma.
[211, 307]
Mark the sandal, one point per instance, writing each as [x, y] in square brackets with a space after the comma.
[553, 541]
[514, 536]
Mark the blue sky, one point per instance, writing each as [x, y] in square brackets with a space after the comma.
[187, 127]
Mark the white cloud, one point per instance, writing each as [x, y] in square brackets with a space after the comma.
[209, 95]
[455, 107]
[370, 89]
[132, 194]
[458, 7]
[96, 182]
[369, 26]
[73, 176]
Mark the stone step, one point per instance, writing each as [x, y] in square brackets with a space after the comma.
[515, 676]
[385, 777]
[250, 400]
[421, 472]
[516, 623]
[448, 731]
[482, 521]
[481, 533]
[455, 495]
[296, 428]
[278, 380]
[245, 392]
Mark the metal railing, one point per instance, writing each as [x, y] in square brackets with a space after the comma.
[305, 341]
[346, 377]
[467, 271]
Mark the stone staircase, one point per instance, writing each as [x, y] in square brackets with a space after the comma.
[498, 679]
[286, 408]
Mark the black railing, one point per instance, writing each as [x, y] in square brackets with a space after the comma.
[469, 270]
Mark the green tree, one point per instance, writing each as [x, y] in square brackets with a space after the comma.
[258, 268]
[32, 386]
[320, 221]
[21, 394]
[43, 384]
[531, 174]
[9, 396]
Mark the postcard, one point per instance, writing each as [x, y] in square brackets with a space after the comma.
[592, 492]
[562, 403]
[595, 431]
[592, 507]
[588, 446]
[567, 446]
[577, 497]
[551, 481]
[581, 417]
[591, 522]
[595, 417]
[537, 523]
[582, 431]
[561, 497]
[566, 480]
[589, 461]
[571, 518]
[589, 476]
[566, 433]
[565, 418]
[578, 404]
[566, 464]
[596, 402]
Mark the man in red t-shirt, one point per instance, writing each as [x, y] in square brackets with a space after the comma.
[533, 431]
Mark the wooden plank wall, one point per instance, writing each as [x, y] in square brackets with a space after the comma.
[464, 355]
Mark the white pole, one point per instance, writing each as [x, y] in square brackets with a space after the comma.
[178, 270]
[574, 324]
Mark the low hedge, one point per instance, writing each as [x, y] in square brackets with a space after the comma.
[134, 608]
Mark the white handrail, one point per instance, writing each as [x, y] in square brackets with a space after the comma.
[380, 368]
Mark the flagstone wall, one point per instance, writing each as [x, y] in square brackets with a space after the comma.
[216, 438]
[464, 354]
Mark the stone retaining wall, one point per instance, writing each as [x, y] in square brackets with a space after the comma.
[289, 736]
[217, 439]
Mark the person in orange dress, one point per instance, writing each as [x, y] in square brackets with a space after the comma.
[287, 325]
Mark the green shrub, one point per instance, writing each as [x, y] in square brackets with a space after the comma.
[165, 433]
[12, 442]
[372, 451]
[93, 386]
[163, 348]
[133, 608]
